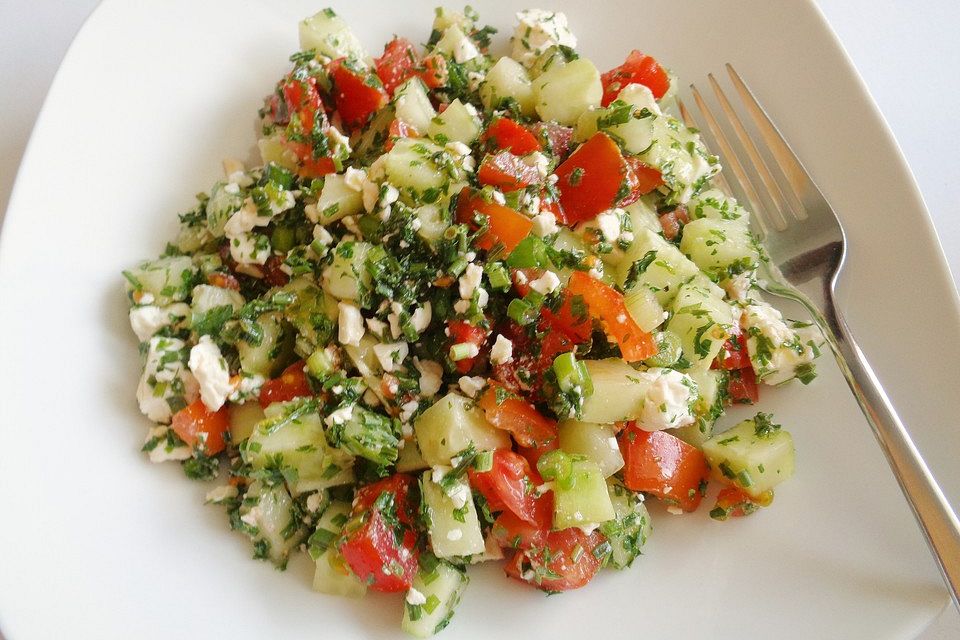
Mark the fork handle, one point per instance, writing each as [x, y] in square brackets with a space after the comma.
[937, 520]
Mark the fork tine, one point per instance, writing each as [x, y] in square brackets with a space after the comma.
[773, 189]
[688, 120]
[786, 159]
[730, 159]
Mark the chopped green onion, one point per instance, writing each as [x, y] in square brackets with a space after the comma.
[498, 276]
[571, 374]
[483, 461]
[320, 363]
[557, 466]
[744, 479]
[531, 252]
[669, 350]
[459, 266]
[462, 351]
[521, 311]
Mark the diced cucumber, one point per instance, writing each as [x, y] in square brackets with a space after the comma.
[410, 458]
[631, 527]
[681, 158]
[587, 502]
[410, 166]
[337, 200]
[719, 247]
[563, 93]
[243, 420]
[458, 122]
[267, 512]
[507, 79]
[709, 406]
[444, 18]
[451, 425]
[206, 297]
[347, 277]
[313, 314]
[643, 307]
[433, 222]
[597, 442]
[412, 105]
[167, 279]
[440, 585]
[643, 216]
[629, 122]
[329, 525]
[716, 205]
[454, 526]
[330, 36]
[456, 45]
[221, 205]
[264, 359]
[333, 577]
[273, 149]
[755, 455]
[371, 142]
[703, 322]
[619, 392]
[292, 437]
[654, 263]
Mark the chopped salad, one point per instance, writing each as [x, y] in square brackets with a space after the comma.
[467, 309]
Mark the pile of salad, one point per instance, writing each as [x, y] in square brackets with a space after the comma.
[467, 309]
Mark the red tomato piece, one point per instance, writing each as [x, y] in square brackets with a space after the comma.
[195, 423]
[358, 92]
[399, 129]
[523, 374]
[593, 179]
[556, 137]
[509, 485]
[742, 386]
[399, 485]
[310, 167]
[433, 71]
[506, 135]
[673, 221]
[733, 502]
[571, 318]
[465, 333]
[733, 354]
[369, 547]
[517, 416]
[639, 69]
[510, 532]
[644, 179]
[272, 273]
[567, 561]
[506, 172]
[398, 63]
[291, 384]
[606, 304]
[664, 465]
[303, 101]
[224, 281]
[506, 226]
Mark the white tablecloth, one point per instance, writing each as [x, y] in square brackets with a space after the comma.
[907, 52]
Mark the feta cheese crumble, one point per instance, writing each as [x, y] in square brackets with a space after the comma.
[502, 350]
[212, 374]
[537, 31]
[669, 401]
[545, 284]
[350, 322]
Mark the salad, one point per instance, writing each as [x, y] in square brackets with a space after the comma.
[467, 309]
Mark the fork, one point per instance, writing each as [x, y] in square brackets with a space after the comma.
[805, 243]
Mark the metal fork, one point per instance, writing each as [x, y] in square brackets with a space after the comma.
[806, 244]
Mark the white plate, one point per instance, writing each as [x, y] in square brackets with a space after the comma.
[96, 542]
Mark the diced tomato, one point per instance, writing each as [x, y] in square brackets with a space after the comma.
[399, 129]
[433, 71]
[303, 100]
[733, 502]
[606, 304]
[517, 416]
[639, 69]
[506, 226]
[556, 137]
[733, 354]
[644, 179]
[399, 485]
[310, 167]
[593, 179]
[291, 384]
[664, 465]
[358, 92]
[742, 386]
[673, 221]
[196, 422]
[397, 64]
[510, 532]
[572, 318]
[465, 333]
[369, 547]
[504, 134]
[272, 273]
[568, 560]
[509, 484]
[523, 374]
[506, 172]
[224, 281]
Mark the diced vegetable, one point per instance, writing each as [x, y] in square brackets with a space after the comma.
[638, 68]
[454, 527]
[347, 276]
[563, 92]
[508, 80]
[606, 304]
[457, 123]
[619, 392]
[451, 425]
[440, 585]
[506, 226]
[586, 502]
[756, 455]
[629, 530]
[329, 35]
[568, 560]
[268, 517]
[702, 321]
[658, 463]
[509, 413]
[199, 427]
[597, 442]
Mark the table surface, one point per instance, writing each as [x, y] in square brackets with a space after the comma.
[906, 52]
